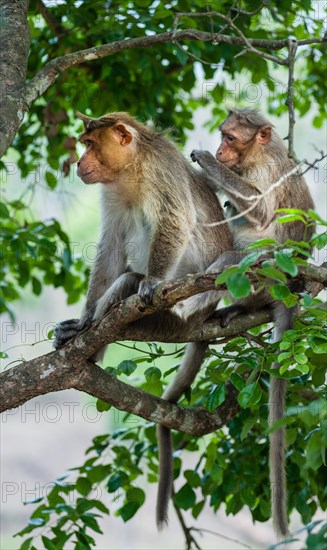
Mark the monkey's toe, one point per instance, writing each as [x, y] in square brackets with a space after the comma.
[146, 289]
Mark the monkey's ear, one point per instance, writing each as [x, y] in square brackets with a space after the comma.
[264, 135]
[122, 135]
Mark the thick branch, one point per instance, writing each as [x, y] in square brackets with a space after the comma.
[14, 40]
[69, 367]
[51, 373]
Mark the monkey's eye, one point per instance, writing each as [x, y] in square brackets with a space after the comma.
[88, 142]
[230, 138]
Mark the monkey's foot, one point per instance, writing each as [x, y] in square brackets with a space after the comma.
[146, 289]
[226, 314]
[66, 330]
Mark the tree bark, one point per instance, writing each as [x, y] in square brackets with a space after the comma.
[14, 40]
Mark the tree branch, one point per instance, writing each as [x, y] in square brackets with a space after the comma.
[69, 367]
[46, 77]
[51, 21]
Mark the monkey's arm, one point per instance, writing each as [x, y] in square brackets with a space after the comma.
[109, 264]
[234, 185]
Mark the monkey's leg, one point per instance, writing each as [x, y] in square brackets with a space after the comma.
[195, 353]
[199, 302]
[227, 314]
[126, 285]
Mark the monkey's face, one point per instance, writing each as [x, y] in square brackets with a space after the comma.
[240, 143]
[108, 152]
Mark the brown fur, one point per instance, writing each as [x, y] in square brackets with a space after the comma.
[249, 160]
[155, 207]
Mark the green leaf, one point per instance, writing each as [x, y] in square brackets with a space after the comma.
[237, 381]
[51, 179]
[91, 522]
[279, 292]
[185, 498]
[291, 218]
[4, 212]
[26, 545]
[286, 263]
[192, 478]
[83, 486]
[36, 286]
[239, 285]
[216, 397]
[223, 277]
[316, 217]
[317, 344]
[313, 454]
[135, 494]
[102, 406]
[247, 426]
[152, 374]
[250, 395]
[48, 544]
[249, 260]
[262, 243]
[135, 498]
[127, 367]
[272, 273]
[118, 479]
[197, 509]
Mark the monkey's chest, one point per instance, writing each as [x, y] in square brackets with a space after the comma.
[137, 242]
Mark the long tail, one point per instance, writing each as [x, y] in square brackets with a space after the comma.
[278, 487]
[191, 365]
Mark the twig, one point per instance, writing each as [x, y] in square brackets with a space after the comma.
[229, 22]
[221, 536]
[264, 4]
[186, 530]
[313, 164]
[52, 23]
[256, 198]
[292, 49]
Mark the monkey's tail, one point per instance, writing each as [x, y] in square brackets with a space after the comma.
[277, 394]
[194, 355]
[165, 448]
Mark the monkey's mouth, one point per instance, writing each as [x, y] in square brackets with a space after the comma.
[86, 174]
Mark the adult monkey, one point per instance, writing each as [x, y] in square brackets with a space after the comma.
[251, 158]
[155, 207]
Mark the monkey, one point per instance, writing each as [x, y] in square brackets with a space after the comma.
[249, 160]
[155, 211]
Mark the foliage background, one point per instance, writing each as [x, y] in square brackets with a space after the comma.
[166, 85]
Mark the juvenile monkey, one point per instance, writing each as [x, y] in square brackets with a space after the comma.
[154, 207]
[249, 160]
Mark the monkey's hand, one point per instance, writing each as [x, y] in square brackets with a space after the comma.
[66, 330]
[203, 158]
[146, 289]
